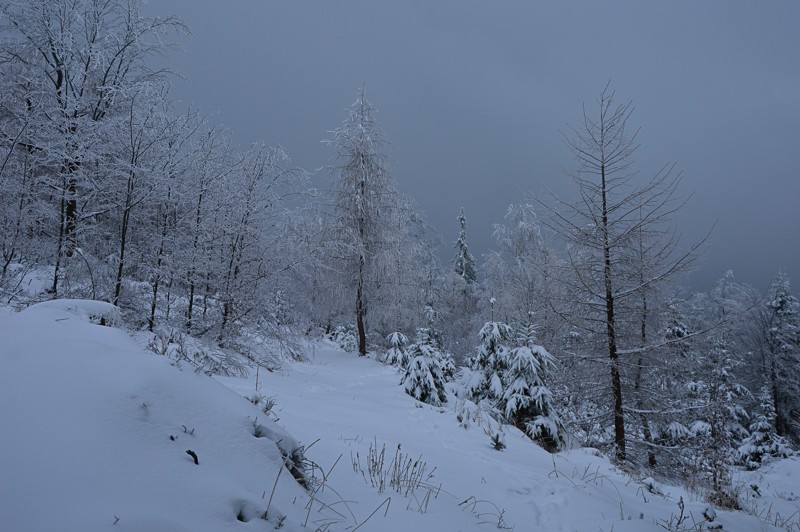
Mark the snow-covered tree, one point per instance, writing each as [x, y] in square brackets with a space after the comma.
[763, 443]
[660, 389]
[137, 164]
[490, 362]
[433, 338]
[397, 354]
[75, 64]
[783, 350]
[458, 310]
[519, 272]
[424, 377]
[363, 187]
[720, 395]
[168, 209]
[719, 425]
[464, 262]
[262, 177]
[377, 239]
[21, 208]
[212, 163]
[528, 402]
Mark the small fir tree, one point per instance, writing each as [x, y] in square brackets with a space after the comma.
[720, 431]
[433, 339]
[397, 354]
[424, 379]
[464, 262]
[763, 443]
[528, 402]
[490, 362]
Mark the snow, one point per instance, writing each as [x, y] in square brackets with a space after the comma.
[88, 417]
[98, 312]
[350, 403]
[773, 491]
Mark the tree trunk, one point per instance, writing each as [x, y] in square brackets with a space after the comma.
[773, 376]
[59, 247]
[121, 267]
[206, 295]
[71, 212]
[168, 297]
[151, 321]
[123, 236]
[226, 310]
[616, 380]
[190, 307]
[361, 310]
[156, 281]
[192, 270]
[648, 436]
[646, 432]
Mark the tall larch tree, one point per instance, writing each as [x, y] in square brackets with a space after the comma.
[364, 195]
[613, 218]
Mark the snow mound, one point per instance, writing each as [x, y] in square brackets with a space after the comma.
[773, 492]
[98, 312]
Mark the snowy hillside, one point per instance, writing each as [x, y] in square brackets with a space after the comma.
[353, 405]
[95, 432]
[169, 286]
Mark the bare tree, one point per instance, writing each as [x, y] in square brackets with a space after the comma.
[620, 247]
[137, 166]
[261, 181]
[517, 272]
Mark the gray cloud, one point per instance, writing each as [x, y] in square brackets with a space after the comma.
[473, 97]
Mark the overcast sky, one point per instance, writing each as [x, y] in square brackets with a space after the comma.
[473, 97]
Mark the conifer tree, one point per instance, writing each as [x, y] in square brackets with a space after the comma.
[490, 362]
[620, 247]
[376, 238]
[364, 187]
[720, 429]
[424, 378]
[433, 337]
[763, 443]
[397, 354]
[464, 262]
[527, 400]
[783, 345]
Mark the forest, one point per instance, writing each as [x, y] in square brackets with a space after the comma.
[575, 327]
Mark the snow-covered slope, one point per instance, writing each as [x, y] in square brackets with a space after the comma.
[351, 404]
[94, 433]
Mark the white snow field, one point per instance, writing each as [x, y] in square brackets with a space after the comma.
[87, 417]
[94, 432]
